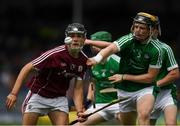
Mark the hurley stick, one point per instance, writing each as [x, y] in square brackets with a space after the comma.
[112, 103]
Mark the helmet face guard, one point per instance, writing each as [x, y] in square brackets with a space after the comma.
[75, 28]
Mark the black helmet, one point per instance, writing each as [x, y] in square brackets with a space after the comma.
[75, 28]
[157, 25]
[146, 18]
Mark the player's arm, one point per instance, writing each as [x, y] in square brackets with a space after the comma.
[173, 74]
[170, 77]
[148, 77]
[78, 95]
[100, 44]
[103, 54]
[78, 100]
[12, 97]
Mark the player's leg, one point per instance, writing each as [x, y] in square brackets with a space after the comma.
[94, 119]
[166, 102]
[103, 116]
[58, 117]
[144, 107]
[170, 115]
[157, 109]
[112, 115]
[127, 114]
[153, 122]
[29, 111]
[127, 118]
[30, 118]
[171, 110]
[58, 114]
[155, 114]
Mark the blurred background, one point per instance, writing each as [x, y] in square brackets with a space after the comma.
[28, 27]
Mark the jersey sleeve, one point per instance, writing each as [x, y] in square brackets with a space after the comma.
[170, 60]
[156, 55]
[123, 41]
[43, 61]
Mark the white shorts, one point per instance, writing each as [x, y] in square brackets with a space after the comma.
[164, 99]
[107, 113]
[129, 105]
[38, 104]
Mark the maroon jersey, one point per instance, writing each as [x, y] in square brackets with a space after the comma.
[56, 68]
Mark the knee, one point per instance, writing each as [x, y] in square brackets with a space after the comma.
[171, 122]
[144, 115]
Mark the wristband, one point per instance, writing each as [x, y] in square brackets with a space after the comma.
[98, 58]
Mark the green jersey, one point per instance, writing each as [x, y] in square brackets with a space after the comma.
[100, 73]
[136, 58]
[168, 64]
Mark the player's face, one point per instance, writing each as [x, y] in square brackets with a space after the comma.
[155, 33]
[141, 31]
[77, 41]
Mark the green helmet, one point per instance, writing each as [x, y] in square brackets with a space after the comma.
[101, 35]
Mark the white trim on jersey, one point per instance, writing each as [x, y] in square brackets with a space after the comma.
[47, 54]
[84, 54]
[172, 67]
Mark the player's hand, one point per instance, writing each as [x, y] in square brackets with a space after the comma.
[91, 62]
[82, 117]
[117, 78]
[10, 101]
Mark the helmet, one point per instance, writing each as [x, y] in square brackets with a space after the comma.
[145, 18]
[75, 28]
[102, 35]
[157, 25]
